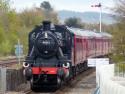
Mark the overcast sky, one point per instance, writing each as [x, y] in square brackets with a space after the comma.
[74, 5]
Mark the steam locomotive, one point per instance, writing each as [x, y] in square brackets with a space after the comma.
[57, 53]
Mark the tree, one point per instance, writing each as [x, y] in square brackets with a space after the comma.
[74, 22]
[31, 17]
[46, 6]
[5, 46]
[14, 26]
[119, 31]
[49, 12]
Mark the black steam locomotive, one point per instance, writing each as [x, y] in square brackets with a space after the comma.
[48, 61]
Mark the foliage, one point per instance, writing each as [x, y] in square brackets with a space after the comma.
[74, 22]
[118, 32]
[14, 26]
[30, 18]
[46, 6]
[117, 58]
[49, 13]
[5, 47]
[120, 69]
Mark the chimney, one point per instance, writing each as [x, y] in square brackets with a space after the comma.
[46, 25]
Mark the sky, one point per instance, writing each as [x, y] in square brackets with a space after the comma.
[73, 5]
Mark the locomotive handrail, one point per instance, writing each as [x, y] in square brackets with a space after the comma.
[66, 60]
[28, 60]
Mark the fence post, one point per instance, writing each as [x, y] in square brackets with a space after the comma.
[3, 79]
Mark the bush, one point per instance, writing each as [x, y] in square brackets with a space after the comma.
[117, 58]
[5, 47]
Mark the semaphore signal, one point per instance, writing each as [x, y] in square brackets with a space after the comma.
[99, 6]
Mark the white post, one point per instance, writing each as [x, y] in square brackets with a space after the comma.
[3, 83]
[19, 51]
[100, 17]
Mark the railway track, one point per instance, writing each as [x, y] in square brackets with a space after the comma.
[9, 62]
[74, 85]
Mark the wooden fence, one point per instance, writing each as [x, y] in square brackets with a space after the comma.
[10, 79]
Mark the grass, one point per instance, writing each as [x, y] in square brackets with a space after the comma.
[117, 58]
[120, 69]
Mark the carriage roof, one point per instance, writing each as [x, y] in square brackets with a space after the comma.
[89, 33]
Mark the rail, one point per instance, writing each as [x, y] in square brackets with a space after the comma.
[9, 62]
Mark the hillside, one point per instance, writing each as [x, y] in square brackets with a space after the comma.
[87, 17]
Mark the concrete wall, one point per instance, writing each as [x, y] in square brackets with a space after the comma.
[107, 82]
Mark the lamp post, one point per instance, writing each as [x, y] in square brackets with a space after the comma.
[100, 14]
